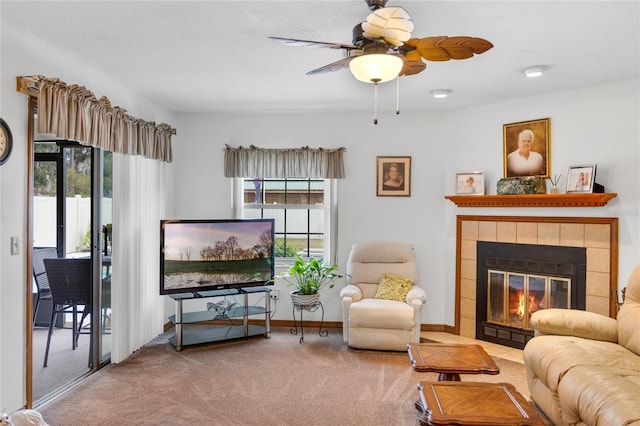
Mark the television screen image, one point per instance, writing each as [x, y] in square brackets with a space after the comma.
[203, 255]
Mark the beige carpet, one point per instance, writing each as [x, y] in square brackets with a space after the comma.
[255, 381]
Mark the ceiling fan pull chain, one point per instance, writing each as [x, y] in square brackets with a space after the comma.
[398, 95]
[375, 100]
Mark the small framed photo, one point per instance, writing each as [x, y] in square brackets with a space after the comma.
[393, 176]
[470, 183]
[581, 178]
[527, 148]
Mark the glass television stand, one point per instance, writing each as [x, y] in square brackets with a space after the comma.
[228, 321]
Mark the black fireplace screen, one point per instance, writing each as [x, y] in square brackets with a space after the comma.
[515, 280]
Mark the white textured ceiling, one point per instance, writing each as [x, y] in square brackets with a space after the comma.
[214, 56]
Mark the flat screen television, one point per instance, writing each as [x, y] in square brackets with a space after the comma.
[203, 255]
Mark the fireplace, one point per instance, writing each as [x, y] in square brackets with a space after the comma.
[597, 235]
[515, 280]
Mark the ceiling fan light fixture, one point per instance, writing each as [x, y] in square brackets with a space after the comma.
[533, 72]
[440, 93]
[376, 67]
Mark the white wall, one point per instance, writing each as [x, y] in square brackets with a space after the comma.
[592, 125]
[599, 124]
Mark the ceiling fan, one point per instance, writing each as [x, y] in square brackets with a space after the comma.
[383, 49]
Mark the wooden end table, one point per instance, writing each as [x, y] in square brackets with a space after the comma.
[475, 404]
[451, 360]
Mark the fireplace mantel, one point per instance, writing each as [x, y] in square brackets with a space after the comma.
[532, 200]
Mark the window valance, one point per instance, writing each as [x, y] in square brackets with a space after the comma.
[74, 113]
[301, 162]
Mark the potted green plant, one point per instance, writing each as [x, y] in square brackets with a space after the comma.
[309, 277]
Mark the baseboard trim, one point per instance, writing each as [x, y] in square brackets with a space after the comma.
[444, 328]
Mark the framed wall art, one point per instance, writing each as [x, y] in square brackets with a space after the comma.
[581, 178]
[527, 148]
[393, 176]
[470, 183]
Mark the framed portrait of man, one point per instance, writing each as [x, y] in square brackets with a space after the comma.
[527, 148]
[393, 176]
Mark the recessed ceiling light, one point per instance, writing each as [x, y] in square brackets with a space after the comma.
[440, 93]
[533, 72]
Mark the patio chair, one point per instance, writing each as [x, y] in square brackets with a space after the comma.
[70, 282]
[40, 275]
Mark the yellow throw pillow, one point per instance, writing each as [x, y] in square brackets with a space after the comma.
[393, 287]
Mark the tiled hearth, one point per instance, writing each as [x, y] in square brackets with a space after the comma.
[598, 235]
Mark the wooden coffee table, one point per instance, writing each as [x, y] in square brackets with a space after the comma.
[474, 404]
[451, 360]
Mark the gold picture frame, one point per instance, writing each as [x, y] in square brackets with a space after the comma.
[393, 176]
[530, 156]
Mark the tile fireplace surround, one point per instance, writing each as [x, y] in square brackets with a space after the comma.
[598, 235]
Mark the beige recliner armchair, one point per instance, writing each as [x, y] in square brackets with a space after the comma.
[371, 322]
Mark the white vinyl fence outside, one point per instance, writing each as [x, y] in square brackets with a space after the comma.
[77, 223]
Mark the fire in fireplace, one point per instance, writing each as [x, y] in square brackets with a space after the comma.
[513, 297]
[515, 280]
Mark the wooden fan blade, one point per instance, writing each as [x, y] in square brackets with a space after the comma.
[311, 43]
[412, 55]
[478, 45]
[334, 66]
[444, 48]
[428, 48]
[412, 68]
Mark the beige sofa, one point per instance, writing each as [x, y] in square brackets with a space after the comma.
[583, 368]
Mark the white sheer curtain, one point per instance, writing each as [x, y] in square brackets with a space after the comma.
[138, 206]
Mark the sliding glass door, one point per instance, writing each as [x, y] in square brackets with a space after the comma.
[71, 196]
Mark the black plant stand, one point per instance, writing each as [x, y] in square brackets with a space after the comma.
[309, 308]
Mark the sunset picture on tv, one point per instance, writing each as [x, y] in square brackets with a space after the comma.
[199, 255]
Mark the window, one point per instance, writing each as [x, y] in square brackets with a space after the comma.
[303, 209]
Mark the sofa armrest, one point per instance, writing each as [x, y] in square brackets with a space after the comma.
[351, 291]
[574, 322]
[416, 293]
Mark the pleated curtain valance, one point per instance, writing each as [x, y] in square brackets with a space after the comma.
[302, 162]
[74, 113]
